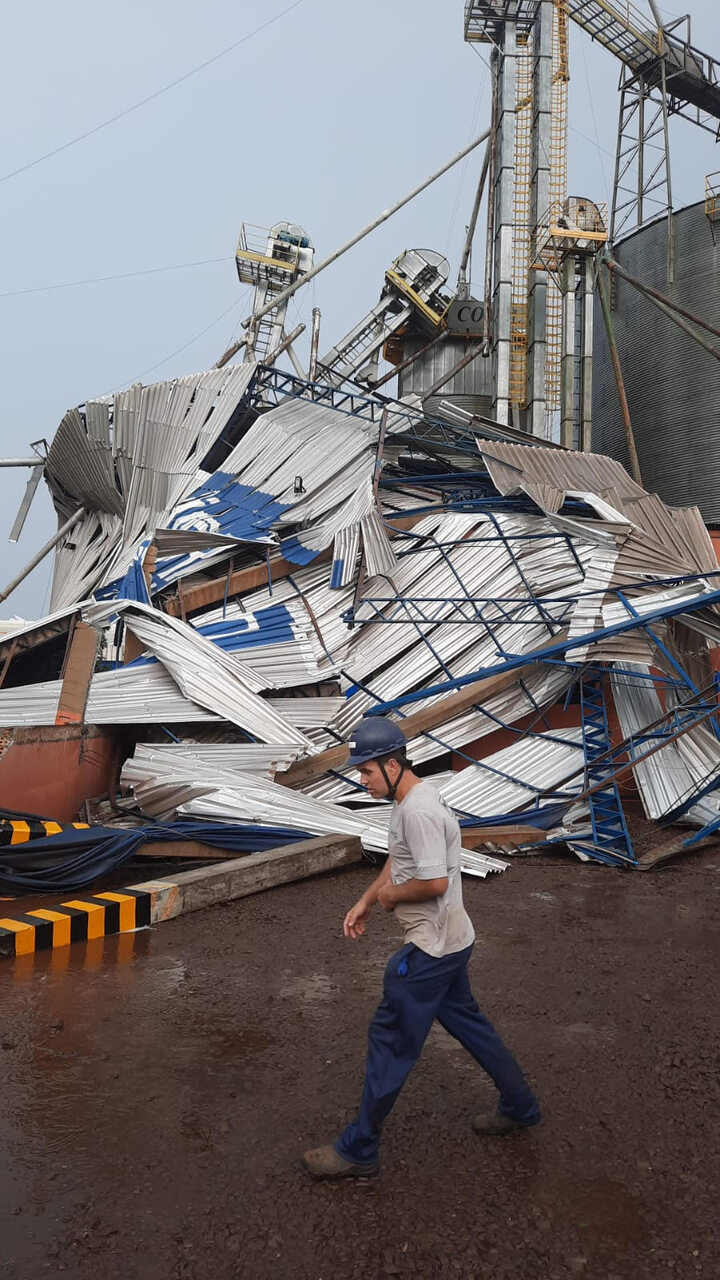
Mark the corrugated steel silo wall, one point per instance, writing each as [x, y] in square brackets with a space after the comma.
[672, 385]
[469, 389]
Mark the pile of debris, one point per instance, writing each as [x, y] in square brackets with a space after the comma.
[253, 563]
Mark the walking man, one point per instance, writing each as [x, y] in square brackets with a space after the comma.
[427, 978]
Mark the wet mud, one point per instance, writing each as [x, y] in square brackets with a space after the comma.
[157, 1089]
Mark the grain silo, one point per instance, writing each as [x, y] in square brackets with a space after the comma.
[672, 383]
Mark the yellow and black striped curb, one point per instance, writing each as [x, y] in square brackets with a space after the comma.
[19, 831]
[154, 901]
[90, 916]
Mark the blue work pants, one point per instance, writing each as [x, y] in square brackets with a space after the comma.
[419, 988]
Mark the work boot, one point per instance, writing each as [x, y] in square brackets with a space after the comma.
[494, 1123]
[325, 1162]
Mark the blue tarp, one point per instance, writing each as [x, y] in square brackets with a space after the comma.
[549, 816]
[75, 859]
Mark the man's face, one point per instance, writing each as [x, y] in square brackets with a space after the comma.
[372, 779]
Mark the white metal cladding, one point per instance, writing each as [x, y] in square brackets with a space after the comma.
[669, 776]
[210, 677]
[457, 566]
[533, 765]
[504, 782]
[330, 452]
[307, 713]
[232, 796]
[227, 757]
[129, 695]
[279, 664]
[186, 784]
[129, 461]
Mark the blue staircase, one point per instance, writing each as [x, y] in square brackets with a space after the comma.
[611, 841]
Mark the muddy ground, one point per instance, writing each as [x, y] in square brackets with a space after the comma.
[157, 1089]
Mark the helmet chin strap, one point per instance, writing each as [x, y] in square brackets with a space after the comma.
[391, 786]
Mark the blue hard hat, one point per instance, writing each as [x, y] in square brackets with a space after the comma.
[375, 737]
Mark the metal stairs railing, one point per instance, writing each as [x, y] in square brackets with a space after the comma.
[611, 839]
[622, 28]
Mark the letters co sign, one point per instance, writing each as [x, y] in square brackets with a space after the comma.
[465, 317]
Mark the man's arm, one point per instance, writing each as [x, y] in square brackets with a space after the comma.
[389, 895]
[354, 922]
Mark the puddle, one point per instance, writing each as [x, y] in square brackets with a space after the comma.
[599, 1210]
[240, 1042]
[309, 989]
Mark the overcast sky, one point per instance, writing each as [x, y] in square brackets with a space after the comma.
[325, 118]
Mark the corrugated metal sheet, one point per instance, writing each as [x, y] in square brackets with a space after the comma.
[129, 459]
[547, 475]
[669, 776]
[210, 677]
[471, 388]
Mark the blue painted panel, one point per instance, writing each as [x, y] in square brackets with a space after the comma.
[275, 626]
[294, 551]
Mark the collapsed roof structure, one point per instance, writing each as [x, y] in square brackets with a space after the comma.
[529, 613]
[248, 561]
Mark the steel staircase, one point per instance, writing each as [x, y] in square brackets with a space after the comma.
[611, 841]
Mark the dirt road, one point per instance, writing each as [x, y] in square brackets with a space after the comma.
[157, 1089]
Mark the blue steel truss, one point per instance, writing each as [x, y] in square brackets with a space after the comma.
[559, 650]
[410, 426]
[610, 836]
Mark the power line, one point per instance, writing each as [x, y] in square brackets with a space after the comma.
[123, 275]
[239, 302]
[151, 96]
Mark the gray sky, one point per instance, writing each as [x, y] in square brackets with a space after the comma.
[325, 118]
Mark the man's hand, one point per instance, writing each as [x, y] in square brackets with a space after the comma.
[387, 896]
[354, 922]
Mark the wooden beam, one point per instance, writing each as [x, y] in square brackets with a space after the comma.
[206, 886]
[79, 667]
[255, 576]
[419, 722]
[249, 579]
[10, 654]
[476, 837]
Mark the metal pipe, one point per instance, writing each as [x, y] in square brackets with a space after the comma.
[617, 370]
[670, 266]
[462, 283]
[656, 15]
[30, 490]
[669, 311]
[360, 235]
[439, 337]
[445, 377]
[231, 351]
[65, 528]
[567, 364]
[296, 363]
[314, 345]
[283, 346]
[20, 462]
[586, 356]
[490, 235]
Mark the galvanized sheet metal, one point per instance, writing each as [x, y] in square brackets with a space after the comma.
[672, 384]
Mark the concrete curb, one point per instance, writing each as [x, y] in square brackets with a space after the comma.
[138, 905]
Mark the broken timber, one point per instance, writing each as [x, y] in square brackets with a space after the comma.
[413, 725]
[208, 886]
